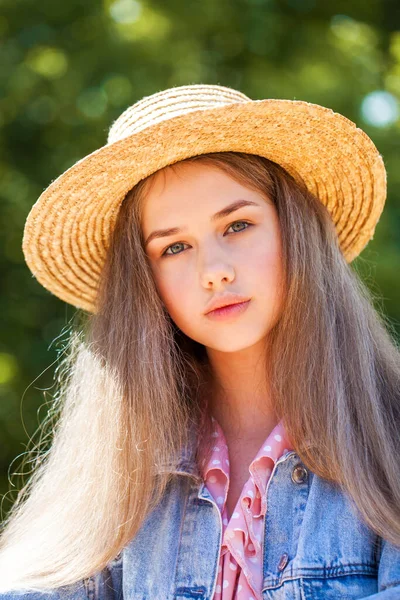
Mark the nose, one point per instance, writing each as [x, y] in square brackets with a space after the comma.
[213, 274]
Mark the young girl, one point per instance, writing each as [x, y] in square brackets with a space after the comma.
[228, 412]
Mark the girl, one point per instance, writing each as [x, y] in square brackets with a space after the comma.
[228, 412]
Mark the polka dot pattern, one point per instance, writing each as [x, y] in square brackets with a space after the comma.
[240, 570]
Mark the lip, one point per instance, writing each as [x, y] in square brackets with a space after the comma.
[228, 311]
[227, 299]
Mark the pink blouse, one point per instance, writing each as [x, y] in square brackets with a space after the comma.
[240, 567]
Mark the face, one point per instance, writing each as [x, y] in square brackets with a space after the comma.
[239, 253]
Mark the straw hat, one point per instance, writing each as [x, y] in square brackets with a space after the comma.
[67, 231]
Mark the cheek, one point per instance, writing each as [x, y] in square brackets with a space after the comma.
[174, 290]
[264, 258]
[267, 263]
[266, 271]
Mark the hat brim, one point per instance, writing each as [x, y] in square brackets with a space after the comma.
[67, 232]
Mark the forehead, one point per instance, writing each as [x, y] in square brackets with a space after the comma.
[187, 187]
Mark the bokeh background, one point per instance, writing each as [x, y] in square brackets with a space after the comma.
[68, 69]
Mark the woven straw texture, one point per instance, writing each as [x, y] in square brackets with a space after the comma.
[67, 231]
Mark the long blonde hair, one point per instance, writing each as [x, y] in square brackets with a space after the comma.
[132, 392]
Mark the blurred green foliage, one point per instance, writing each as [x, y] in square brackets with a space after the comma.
[68, 71]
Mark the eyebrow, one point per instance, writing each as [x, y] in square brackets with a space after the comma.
[160, 233]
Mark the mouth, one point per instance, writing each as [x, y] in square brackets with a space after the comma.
[230, 310]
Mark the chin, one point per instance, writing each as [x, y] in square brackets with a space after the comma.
[233, 345]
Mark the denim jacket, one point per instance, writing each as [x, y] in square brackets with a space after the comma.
[315, 547]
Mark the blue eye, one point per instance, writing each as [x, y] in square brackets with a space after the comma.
[165, 253]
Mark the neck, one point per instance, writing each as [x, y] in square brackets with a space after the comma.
[240, 397]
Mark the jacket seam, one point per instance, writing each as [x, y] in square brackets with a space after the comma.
[321, 573]
[186, 496]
